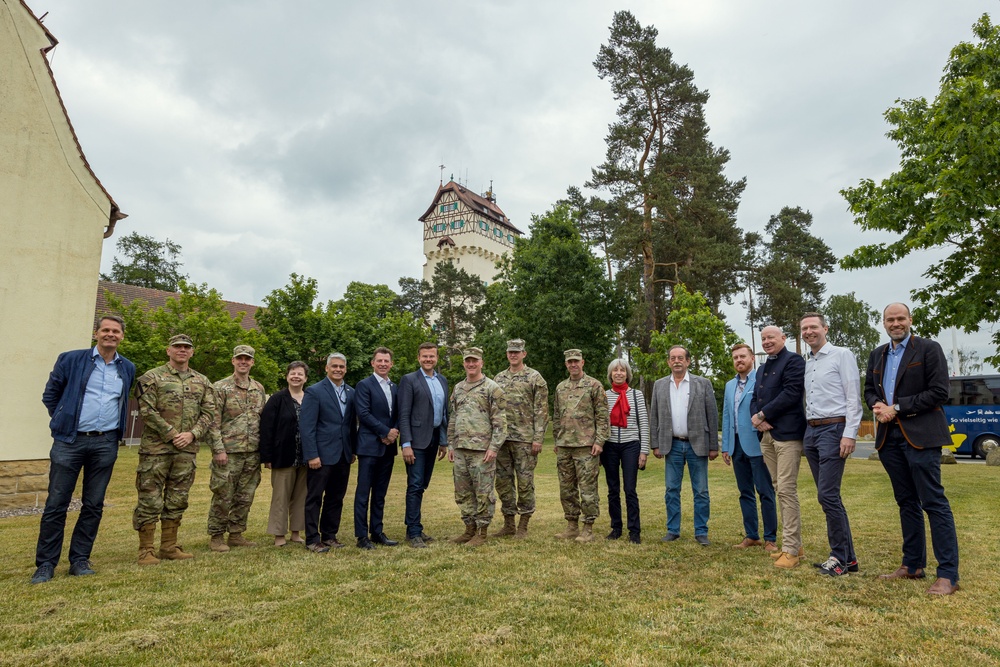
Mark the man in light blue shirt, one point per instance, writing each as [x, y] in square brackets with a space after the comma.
[833, 415]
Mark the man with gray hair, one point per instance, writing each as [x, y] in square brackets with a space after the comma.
[329, 432]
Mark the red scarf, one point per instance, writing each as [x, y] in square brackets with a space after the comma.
[619, 413]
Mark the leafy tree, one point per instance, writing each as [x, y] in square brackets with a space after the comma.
[199, 312]
[945, 193]
[968, 362]
[788, 282]
[852, 325]
[671, 212]
[556, 297]
[295, 326]
[150, 263]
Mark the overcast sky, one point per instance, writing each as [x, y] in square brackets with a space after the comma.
[270, 137]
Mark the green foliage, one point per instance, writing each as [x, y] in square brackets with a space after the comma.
[691, 323]
[295, 326]
[150, 263]
[555, 296]
[852, 325]
[788, 280]
[945, 193]
[199, 312]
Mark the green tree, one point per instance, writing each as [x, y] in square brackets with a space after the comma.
[557, 297]
[148, 263]
[671, 212]
[199, 312]
[789, 281]
[296, 327]
[852, 325]
[945, 194]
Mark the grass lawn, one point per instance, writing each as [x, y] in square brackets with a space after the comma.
[537, 601]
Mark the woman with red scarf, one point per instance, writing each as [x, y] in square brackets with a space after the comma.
[626, 449]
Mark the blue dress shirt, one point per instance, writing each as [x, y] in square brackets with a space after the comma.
[437, 396]
[101, 399]
[895, 355]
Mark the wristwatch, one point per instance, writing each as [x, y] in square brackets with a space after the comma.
[895, 407]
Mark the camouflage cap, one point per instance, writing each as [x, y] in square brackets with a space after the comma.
[243, 351]
[515, 345]
[573, 354]
[180, 339]
[473, 352]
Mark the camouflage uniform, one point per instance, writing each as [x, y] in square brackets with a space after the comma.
[579, 421]
[170, 402]
[237, 425]
[477, 421]
[527, 416]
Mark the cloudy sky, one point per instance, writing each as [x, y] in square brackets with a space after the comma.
[269, 137]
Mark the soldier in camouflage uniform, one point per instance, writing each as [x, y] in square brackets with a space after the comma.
[580, 426]
[239, 400]
[477, 427]
[177, 406]
[527, 416]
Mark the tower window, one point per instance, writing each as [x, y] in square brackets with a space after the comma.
[452, 206]
[440, 227]
[484, 226]
[457, 224]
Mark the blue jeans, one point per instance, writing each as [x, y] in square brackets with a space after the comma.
[418, 478]
[751, 473]
[96, 457]
[681, 453]
[822, 449]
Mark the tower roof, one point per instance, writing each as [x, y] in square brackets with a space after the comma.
[478, 203]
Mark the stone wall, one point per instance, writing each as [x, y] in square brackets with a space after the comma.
[23, 484]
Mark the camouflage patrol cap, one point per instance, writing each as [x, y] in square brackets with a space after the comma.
[180, 339]
[243, 351]
[473, 352]
[515, 345]
[573, 354]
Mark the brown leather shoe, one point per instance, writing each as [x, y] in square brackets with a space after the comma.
[747, 542]
[942, 587]
[770, 547]
[903, 573]
[777, 554]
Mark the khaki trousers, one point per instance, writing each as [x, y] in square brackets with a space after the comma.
[782, 458]
[288, 501]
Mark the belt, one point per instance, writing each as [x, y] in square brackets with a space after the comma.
[677, 437]
[826, 421]
[95, 434]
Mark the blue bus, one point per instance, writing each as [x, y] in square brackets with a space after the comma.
[973, 411]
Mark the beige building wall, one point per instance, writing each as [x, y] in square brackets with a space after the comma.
[52, 224]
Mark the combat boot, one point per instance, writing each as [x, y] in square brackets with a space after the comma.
[169, 549]
[522, 527]
[237, 540]
[572, 530]
[508, 526]
[147, 554]
[587, 535]
[470, 532]
[479, 539]
[218, 544]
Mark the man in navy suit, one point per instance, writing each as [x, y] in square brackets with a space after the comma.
[329, 432]
[377, 404]
[905, 386]
[423, 432]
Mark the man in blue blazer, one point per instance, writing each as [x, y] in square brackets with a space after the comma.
[423, 432]
[87, 398]
[329, 432]
[376, 401]
[741, 448]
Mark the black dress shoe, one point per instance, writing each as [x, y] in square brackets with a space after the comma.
[634, 538]
[614, 534]
[366, 544]
[382, 539]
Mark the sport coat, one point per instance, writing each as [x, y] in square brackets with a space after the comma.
[702, 417]
[65, 389]
[779, 392]
[921, 389]
[374, 417]
[737, 421]
[416, 411]
[325, 432]
[279, 424]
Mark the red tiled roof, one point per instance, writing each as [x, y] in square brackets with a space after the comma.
[476, 202]
[156, 298]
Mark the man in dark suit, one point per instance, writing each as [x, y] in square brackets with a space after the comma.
[377, 404]
[779, 415]
[423, 432]
[906, 384]
[329, 432]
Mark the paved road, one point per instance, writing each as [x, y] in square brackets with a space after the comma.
[866, 447]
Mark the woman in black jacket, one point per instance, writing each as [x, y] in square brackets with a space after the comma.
[281, 452]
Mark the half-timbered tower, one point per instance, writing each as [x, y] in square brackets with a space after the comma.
[468, 229]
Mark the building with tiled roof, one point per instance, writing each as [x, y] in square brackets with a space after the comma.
[155, 298]
[467, 229]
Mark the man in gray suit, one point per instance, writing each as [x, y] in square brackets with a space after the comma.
[684, 427]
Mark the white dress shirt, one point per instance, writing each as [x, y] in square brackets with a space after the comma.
[833, 387]
[679, 396]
